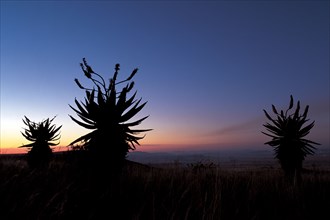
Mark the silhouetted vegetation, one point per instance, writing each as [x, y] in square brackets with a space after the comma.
[66, 191]
[41, 134]
[107, 112]
[287, 133]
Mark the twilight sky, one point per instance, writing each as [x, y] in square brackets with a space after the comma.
[206, 68]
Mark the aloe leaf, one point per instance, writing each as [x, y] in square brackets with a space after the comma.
[87, 120]
[112, 97]
[296, 114]
[274, 109]
[81, 109]
[136, 131]
[121, 99]
[291, 102]
[100, 99]
[28, 137]
[130, 87]
[83, 138]
[93, 111]
[303, 132]
[308, 149]
[91, 96]
[135, 123]
[270, 135]
[123, 107]
[56, 130]
[88, 95]
[306, 111]
[273, 128]
[309, 141]
[132, 74]
[267, 115]
[132, 112]
[82, 124]
[83, 116]
[273, 143]
[27, 145]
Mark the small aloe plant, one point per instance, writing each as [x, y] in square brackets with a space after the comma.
[108, 113]
[287, 132]
[42, 135]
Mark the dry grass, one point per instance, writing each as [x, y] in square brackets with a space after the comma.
[71, 190]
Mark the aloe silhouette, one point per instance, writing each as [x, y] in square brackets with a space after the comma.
[42, 135]
[107, 112]
[287, 133]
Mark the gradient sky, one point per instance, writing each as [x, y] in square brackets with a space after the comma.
[206, 68]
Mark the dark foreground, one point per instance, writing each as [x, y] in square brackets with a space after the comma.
[73, 190]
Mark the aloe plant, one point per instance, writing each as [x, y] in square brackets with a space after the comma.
[42, 135]
[288, 132]
[108, 113]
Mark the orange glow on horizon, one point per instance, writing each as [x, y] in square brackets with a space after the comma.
[24, 150]
[154, 141]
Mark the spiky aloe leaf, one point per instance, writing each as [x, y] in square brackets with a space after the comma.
[305, 131]
[132, 112]
[82, 112]
[83, 138]
[124, 105]
[274, 129]
[137, 131]
[83, 116]
[273, 143]
[100, 99]
[132, 74]
[135, 123]
[296, 114]
[267, 115]
[306, 111]
[83, 124]
[274, 109]
[270, 135]
[122, 98]
[27, 145]
[291, 102]
[130, 86]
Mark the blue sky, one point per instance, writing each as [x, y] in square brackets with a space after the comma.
[206, 68]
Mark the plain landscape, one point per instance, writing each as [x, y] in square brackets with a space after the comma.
[229, 158]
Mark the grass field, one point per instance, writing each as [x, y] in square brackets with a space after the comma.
[70, 189]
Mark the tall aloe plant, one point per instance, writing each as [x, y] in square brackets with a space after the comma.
[288, 133]
[42, 135]
[108, 113]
